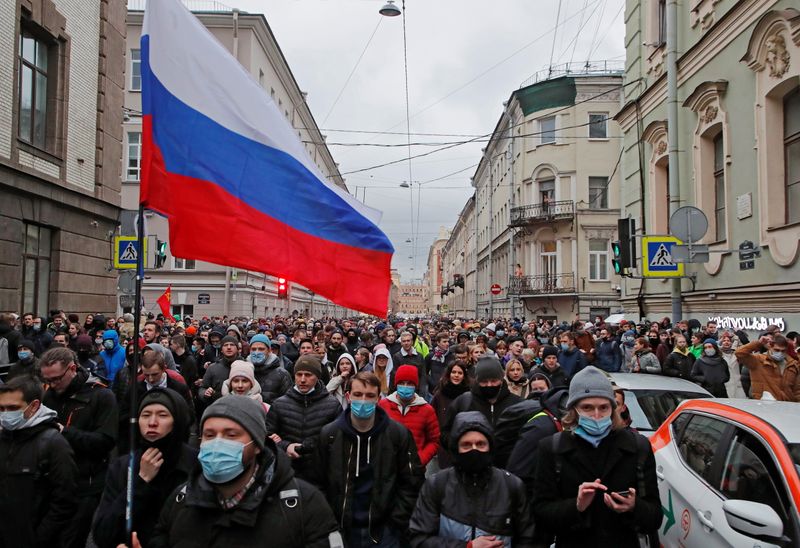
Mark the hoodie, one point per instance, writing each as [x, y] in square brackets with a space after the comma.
[336, 386]
[420, 419]
[389, 368]
[114, 358]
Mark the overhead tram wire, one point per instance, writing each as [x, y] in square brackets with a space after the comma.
[580, 28]
[555, 34]
[349, 76]
[608, 29]
[596, 30]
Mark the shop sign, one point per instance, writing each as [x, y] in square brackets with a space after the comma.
[751, 323]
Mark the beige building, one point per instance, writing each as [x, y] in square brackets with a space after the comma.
[412, 299]
[61, 81]
[200, 288]
[434, 276]
[458, 264]
[546, 201]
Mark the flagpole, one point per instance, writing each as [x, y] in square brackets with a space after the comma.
[134, 369]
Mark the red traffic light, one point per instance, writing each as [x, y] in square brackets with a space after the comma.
[282, 291]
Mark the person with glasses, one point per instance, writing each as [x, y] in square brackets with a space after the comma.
[87, 417]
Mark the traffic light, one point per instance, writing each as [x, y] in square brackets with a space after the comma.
[624, 249]
[283, 291]
[161, 253]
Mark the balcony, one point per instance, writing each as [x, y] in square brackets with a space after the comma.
[544, 212]
[547, 284]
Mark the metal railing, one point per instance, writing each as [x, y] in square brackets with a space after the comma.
[542, 213]
[593, 68]
[546, 284]
[193, 5]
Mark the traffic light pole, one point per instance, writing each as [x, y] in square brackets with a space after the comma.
[672, 137]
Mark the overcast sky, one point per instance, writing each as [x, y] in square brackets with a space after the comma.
[465, 57]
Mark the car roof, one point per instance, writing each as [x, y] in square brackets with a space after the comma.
[781, 415]
[643, 381]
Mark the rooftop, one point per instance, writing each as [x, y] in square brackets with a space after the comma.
[205, 6]
[579, 69]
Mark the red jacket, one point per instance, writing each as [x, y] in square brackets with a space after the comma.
[420, 419]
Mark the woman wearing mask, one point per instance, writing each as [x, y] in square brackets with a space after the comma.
[644, 361]
[27, 363]
[734, 386]
[242, 382]
[516, 380]
[383, 369]
[454, 382]
[163, 461]
[596, 481]
[626, 347]
[339, 384]
[710, 370]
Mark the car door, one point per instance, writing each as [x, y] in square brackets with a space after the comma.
[750, 473]
[687, 471]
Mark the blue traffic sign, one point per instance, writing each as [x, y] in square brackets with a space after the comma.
[126, 251]
[657, 260]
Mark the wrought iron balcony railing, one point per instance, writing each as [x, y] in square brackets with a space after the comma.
[546, 284]
[544, 212]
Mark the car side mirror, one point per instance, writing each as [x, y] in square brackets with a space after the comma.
[754, 520]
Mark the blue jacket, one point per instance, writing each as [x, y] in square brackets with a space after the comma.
[114, 358]
[608, 355]
[571, 362]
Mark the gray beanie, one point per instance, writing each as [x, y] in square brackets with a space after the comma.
[244, 411]
[488, 368]
[590, 382]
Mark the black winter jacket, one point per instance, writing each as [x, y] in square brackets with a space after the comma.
[217, 373]
[88, 411]
[396, 471]
[474, 401]
[436, 368]
[279, 511]
[678, 365]
[275, 381]
[109, 521]
[37, 486]
[558, 378]
[615, 462]
[298, 418]
[712, 373]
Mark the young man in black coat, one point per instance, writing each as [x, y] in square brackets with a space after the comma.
[35, 505]
[408, 355]
[87, 418]
[244, 492]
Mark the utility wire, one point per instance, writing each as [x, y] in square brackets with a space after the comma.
[555, 33]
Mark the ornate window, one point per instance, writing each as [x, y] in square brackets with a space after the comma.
[773, 54]
[657, 190]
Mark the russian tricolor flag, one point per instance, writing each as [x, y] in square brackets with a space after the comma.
[227, 169]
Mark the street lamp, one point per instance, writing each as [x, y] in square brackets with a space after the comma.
[390, 10]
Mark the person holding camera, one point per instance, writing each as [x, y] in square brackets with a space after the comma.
[299, 415]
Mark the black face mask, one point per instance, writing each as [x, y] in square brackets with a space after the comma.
[490, 392]
[83, 355]
[472, 461]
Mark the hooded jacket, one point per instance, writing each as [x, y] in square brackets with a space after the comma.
[287, 511]
[275, 381]
[646, 362]
[336, 386]
[370, 479]
[766, 374]
[88, 411]
[298, 418]
[389, 368]
[711, 372]
[679, 364]
[454, 508]
[114, 358]
[420, 419]
[37, 482]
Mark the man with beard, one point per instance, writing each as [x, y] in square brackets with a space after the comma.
[218, 372]
[335, 348]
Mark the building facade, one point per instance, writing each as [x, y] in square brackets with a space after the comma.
[412, 299]
[546, 200]
[61, 84]
[200, 288]
[458, 265]
[738, 159]
[434, 277]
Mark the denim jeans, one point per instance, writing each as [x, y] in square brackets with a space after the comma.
[359, 538]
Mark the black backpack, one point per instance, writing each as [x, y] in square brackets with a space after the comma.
[509, 427]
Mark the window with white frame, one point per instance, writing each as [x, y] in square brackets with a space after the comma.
[133, 163]
[136, 70]
[182, 264]
[598, 192]
[547, 130]
[791, 152]
[598, 125]
[598, 260]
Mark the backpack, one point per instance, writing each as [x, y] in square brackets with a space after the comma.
[4, 360]
[510, 423]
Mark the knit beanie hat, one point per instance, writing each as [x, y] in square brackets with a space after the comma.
[83, 342]
[191, 331]
[407, 373]
[241, 368]
[488, 368]
[308, 363]
[260, 338]
[590, 382]
[229, 339]
[244, 411]
[712, 342]
[549, 350]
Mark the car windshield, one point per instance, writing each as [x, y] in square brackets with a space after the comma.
[650, 408]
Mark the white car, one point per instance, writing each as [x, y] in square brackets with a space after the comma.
[728, 474]
[650, 399]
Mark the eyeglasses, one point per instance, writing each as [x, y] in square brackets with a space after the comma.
[56, 380]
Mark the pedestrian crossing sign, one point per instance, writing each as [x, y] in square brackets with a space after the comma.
[126, 251]
[657, 261]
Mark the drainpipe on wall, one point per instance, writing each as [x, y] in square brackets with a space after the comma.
[672, 136]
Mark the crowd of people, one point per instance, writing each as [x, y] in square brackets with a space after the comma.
[346, 432]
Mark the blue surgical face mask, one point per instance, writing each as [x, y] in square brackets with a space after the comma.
[406, 392]
[595, 427]
[221, 459]
[362, 409]
[37, 326]
[11, 420]
[258, 358]
[24, 355]
[710, 352]
[109, 344]
[777, 356]
[564, 346]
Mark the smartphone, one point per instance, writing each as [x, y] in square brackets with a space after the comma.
[625, 493]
